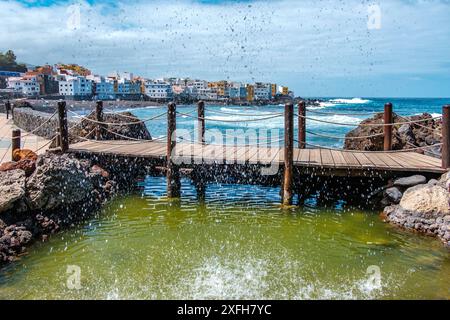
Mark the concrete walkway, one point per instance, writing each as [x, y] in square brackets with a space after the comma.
[30, 142]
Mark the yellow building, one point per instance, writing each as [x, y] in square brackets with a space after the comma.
[274, 89]
[219, 86]
[250, 92]
[284, 91]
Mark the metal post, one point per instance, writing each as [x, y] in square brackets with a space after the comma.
[387, 128]
[288, 153]
[173, 173]
[15, 142]
[63, 129]
[446, 137]
[301, 125]
[201, 122]
[99, 118]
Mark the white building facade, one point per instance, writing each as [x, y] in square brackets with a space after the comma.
[27, 85]
[158, 89]
[75, 86]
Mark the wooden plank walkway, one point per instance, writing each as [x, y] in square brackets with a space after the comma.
[188, 153]
[31, 142]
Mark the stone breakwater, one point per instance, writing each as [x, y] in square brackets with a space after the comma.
[60, 191]
[405, 136]
[420, 205]
[123, 123]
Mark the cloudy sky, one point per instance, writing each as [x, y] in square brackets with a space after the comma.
[391, 48]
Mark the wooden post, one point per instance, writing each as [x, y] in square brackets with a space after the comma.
[301, 125]
[58, 138]
[387, 128]
[288, 153]
[201, 122]
[63, 129]
[173, 172]
[446, 137]
[8, 108]
[15, 142]
[99, 118]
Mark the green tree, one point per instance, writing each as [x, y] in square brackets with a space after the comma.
[8, 62]
[10, 57]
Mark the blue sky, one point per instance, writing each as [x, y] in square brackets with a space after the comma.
[326, 48]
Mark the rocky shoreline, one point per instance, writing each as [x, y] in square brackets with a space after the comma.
[60, 191]
[420, 205]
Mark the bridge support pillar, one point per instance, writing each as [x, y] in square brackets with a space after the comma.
[301, 125]
[173, 171]
[99, 118]
[199, 179]
[446, 137]
[201, 122]
[63, 128]
[287, 185]
[387, 128]
[15, 142]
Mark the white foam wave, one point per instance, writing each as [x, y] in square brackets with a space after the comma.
[350, 101]
[342, 119]
[244, 112]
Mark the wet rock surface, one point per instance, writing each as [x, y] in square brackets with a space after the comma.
[410, 181]
[406, 136]
[118, 126]
[12, 189]
[60, 191]
[424, 208]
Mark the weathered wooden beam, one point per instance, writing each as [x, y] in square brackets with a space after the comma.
[301, 125]
[15, 142]
[173, 173]
[288, 154]
[99, 118]
[387, 128]
[63, 128]
[446, 137]
[8, 108]
[201, 122]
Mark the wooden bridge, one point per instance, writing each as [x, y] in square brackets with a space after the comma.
[339, 162]
[173, 154]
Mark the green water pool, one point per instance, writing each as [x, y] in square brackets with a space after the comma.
[237, 244]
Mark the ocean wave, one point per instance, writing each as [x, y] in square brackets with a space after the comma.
[349, 101]
[335, 119]
[241, 111]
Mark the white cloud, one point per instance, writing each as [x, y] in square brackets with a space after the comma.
[278, 40]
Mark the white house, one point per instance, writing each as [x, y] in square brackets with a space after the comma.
[75, 86]
[263, 91]
[158, 89]
[28, 85]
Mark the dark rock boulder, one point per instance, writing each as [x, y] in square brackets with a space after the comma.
[405, 136]
[12, 241]
[120, 126]
[58, 180]
[12, 190]
[394, 195]
[26, 165]
[410, 181]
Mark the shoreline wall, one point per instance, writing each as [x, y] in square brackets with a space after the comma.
[28, 119]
